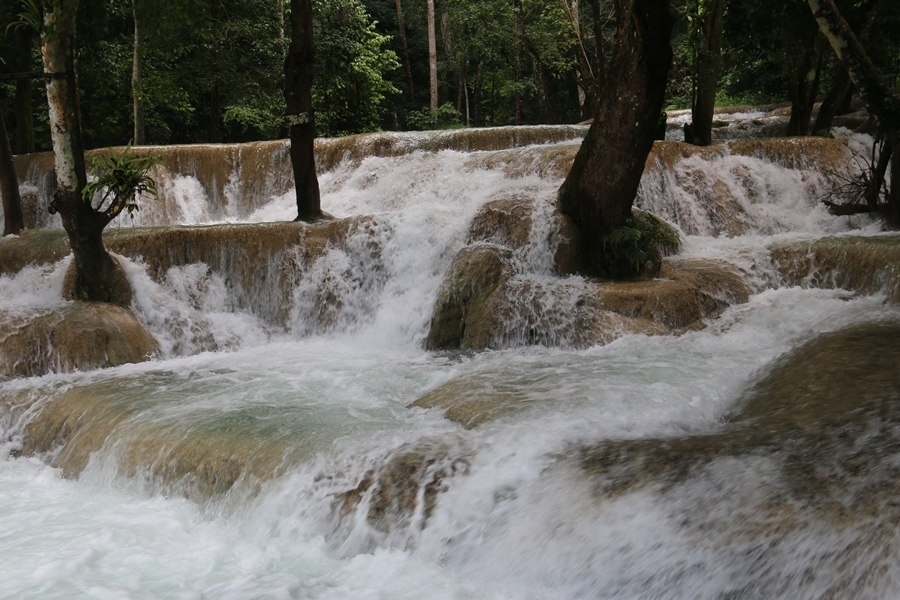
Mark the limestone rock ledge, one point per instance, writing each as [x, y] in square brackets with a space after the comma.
[79, 336]
[489, 300]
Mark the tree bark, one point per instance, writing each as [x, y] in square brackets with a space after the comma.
[137, 94]
[97, 276]
[599, 54]
[401, 26]
[587, 83]
[838, 98]
[708, 65]
[432, 59]
[803, 88]
[298, 70]
[877, 97]
[9, 186]
[833, 101]
[23, 38]
[599, 190]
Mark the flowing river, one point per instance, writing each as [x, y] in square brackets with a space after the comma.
[239, 463]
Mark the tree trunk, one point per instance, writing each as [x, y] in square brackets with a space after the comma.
[450, 52]
[137, 93]
[298, 70]
[23, 38]
[833, 101]
[877, 97]
[708, 65]
[838, 98]
[97, 276]
[599, 190]
[520, 34]
[587, 82]
[599, 55]
[803, 88]
[9, 186]
[432, 59]
[401, 26]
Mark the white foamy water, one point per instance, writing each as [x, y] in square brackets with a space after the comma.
[514, 517]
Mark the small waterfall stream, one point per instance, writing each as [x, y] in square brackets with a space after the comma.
[281, 444]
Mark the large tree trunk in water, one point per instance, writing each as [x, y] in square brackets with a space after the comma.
[600, 188]
[432, 59]
[876, 96]
[137, 93]
[709, 63]
[97, 276]
[9, 186]
[298, 70]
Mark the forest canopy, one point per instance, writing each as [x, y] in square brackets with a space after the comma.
[212, 70]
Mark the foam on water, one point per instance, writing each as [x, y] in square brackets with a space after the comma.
[514, 516]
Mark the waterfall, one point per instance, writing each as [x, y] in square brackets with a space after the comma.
[292, 438]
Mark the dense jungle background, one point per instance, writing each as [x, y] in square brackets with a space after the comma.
[212, 70]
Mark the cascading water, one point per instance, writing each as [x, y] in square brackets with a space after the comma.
[271, 450]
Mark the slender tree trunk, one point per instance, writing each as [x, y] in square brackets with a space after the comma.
[838, 98]
[520, 34]
[833, 101]
[9, 186]
[599, 54]
[599, 190]
[877, 97]
[137, 93]
[587, 83]
[709, 63]
[432, 59]
[477, 90]
[401, 26]
[97, 276]
[298, 70]
[537, 70]
[450, 52]
[23, 38]
[804, 47]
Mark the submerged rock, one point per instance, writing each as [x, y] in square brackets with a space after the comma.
[867, 265]
[80, 336]
[825, 416]
[482, 304]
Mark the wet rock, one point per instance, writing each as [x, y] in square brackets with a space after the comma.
[867, 265]
[195, 460]
[116, 284]
[463, 315]
[401, 493]
[825, 417]
[482, 305]
[80, 336]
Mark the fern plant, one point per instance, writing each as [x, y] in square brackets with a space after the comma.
[641, 241]
[120, 181]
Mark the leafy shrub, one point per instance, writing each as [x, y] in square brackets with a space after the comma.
[638, 245]
[119, 181]
[445, 117]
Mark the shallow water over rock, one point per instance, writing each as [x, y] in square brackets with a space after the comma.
[293, 438]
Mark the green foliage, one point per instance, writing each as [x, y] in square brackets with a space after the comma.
[351, 85]
[445, 117]
[119, 180]
[640, 240]
[29, 15]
